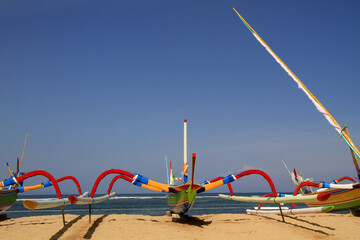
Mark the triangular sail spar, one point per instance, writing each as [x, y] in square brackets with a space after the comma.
[312, 98]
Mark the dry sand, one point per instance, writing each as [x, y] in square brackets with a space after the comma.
[221, 226]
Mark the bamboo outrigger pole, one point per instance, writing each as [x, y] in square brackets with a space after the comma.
[312, 98]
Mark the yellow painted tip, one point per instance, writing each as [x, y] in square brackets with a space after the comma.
[243, 20]
[30, 204]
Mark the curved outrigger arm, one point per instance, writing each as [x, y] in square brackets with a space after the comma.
[227, 180]
[34, 204]
[217, 179]
[344, 178]
[131, 181]
[48, 184]
[13, 180]
[17, 180]
[137, 180]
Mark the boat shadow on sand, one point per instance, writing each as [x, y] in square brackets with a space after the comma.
[312, 226]
[191, 220]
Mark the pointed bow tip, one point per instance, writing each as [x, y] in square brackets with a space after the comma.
[73, 199]
[323, 196]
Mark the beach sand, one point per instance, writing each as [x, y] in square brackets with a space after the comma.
[220, 226]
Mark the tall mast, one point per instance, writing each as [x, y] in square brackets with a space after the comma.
[312, 98]
[22, 155]
[185, 166]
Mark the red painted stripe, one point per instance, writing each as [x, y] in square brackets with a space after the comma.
[187, 201]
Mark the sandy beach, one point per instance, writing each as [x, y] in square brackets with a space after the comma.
[221, 226]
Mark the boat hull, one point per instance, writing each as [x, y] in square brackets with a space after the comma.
[341, 199]
[7, 199]
[181, 201]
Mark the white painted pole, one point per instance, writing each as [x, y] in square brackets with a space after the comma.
[185, 141]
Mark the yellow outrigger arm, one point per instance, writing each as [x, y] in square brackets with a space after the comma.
[312, 98]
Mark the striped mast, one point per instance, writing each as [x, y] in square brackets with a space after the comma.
[312, 98]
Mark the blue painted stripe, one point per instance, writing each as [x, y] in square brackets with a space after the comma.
[141, 179]
[228, 179]
[47, 184]
[137, 183]
[8, 182]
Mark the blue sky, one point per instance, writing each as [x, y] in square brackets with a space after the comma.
[102, 85]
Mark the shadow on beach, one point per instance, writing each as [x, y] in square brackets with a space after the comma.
[66, 227]
[299, 226]
[3, 217]
[93, 227]
[193, 221]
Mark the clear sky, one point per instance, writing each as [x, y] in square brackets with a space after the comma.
[107, 84]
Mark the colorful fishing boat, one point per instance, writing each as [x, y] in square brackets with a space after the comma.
[9, 192]
[340, 196]
[343, 196]
[181, 198]
[9, 188]
[180, 192]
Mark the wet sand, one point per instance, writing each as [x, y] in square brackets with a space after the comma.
[220, 226]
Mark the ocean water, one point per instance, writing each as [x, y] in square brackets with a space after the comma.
[143, 204]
